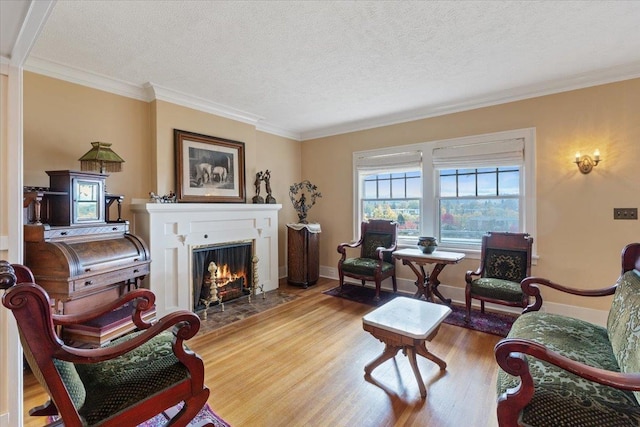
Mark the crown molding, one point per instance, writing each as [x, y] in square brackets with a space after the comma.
[276, 130]
[84, 78]
[150, 91]
[580, 81]
[175, 97]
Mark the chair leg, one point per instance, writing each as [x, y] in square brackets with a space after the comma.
[363, 281]
[482, 306]
[467, 300]
[190, 409]
[377, 297]
[395, 284]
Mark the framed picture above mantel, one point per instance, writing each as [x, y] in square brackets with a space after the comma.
[208, 169]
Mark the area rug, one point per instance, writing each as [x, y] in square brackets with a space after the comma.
[361, 294]
[206, 414]
[491, 323]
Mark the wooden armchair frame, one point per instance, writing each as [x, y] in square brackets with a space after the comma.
[37, 327]
[520, 242]
[511, 353]
[378, 275]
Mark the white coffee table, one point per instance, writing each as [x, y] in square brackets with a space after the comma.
[405, 324]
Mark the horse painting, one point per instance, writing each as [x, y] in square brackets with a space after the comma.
[221, 172]
[204, 172]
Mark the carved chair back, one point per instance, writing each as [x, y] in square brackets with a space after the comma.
[375, 233]
[506, 256]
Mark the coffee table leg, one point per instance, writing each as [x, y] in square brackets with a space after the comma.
[411, 354]
[422, 351]
[389, 352]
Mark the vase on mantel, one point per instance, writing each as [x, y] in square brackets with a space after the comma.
[427, 244]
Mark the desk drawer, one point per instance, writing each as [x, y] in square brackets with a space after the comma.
[96, 283]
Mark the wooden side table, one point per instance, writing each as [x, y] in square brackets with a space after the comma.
[405, 324]
[303, 254]
[416, 260]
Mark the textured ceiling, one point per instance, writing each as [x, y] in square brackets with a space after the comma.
[316, 68]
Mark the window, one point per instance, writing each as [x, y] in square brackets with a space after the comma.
[455, 190]
[396, 196]
[389, 186]
[474, 201]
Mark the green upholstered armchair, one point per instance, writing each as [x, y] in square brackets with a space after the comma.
[378, 239]
[123, 384]
[505, 261]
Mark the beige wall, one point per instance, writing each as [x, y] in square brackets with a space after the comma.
[578, 242]
[262, 151]
[170, 116]
[60, 121]
[282, 157]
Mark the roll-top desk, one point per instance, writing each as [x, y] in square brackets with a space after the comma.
[79, 258]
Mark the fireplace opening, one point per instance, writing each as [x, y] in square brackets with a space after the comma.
[221, 273]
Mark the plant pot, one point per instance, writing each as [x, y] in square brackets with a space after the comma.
[427, 244]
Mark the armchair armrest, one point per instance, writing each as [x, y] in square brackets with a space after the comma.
[530, 287]
[468, 277]
[380, 251]
[185, 325]
[342, 247]
[511, 355]
[144, 301]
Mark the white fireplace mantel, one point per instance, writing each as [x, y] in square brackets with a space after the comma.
[173, 230]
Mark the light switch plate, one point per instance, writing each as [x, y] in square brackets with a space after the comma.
[625, 213]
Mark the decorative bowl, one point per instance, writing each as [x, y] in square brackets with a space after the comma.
[427, 244]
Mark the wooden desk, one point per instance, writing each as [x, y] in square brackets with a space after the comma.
[405, 324]
[416, 260]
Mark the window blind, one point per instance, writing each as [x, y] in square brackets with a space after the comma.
[485, 154]
[410, 159]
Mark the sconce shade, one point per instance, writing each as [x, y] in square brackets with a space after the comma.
[101, 158]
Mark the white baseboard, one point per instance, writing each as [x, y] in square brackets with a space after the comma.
[4, 420]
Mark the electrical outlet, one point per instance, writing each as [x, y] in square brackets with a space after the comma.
[625, 213]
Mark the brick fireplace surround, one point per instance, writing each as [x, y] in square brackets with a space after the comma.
[173, 230]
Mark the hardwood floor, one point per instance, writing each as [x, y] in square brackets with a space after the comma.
[302, 364]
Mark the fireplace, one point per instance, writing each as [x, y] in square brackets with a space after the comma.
[174, 230]
[221, 273]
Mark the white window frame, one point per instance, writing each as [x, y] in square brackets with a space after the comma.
[430, 176]
[382, 160]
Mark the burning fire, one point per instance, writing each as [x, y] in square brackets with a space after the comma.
[223, 275]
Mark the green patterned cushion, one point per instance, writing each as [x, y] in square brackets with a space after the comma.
[562, 398]
[121, 382]
[504, 290]
[363, 266]
[505, 264]
[372, 241]
[623, 324]
[71, 381]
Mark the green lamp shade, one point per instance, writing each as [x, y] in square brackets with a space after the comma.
[101, 158]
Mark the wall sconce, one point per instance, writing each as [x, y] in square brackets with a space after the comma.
[586, 163]
[101, 158]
